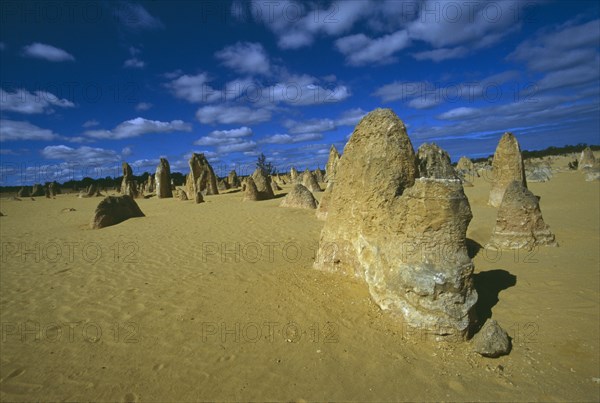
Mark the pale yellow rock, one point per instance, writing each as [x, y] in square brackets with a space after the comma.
[404, 236]
[507, 166]
[519, 224]
[201, 178]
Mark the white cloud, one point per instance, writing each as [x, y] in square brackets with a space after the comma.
[193, 88]
[310, 126]
[143, 106]
[290, 89]
[134, 51]
[211, 141]
[438, 55]
[459, 113]
[568, 55]
[207, 154]
[423, 94]
[221, 137]
[426, 101]
[403, 90]
[302, 90]
[360, 49]
[453, 26]
[145, 165]
[312, 129]
[170, 75]
[229, 114]
[126, 151]
[12, 130]
[573, 45]
[587, 73]
[228, 141]
[549, 111]
[47, 52]
[351, 117]
[297, 25]
[23, 101]
[245, 57]
[90, 123]
[77, 139]
[134, 63]
[137, 127]
[289, 139]
[135, 17]
[233, 133]
[89, 155]
[478, 24]
[242, 146]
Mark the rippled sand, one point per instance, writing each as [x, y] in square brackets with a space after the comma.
[219, 301]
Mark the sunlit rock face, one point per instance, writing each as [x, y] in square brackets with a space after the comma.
[507, 166]
[519, 224]
[163, 179]
[401, 228]
[128, 185]
[201, 178]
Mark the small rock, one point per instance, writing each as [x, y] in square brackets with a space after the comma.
[263, 185]
[115, 209]
[592, 174]
[587, 159]
[310, 181]
[233, 179]
[491, 341]
[300, 197]
[250, 190]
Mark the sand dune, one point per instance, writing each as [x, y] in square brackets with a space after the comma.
[219, 301]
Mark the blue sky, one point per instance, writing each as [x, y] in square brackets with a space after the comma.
[86, 85]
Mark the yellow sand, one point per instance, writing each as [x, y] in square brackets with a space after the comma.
[169, 301]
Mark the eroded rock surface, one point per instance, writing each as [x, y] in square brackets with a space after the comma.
[507, 166]
[299, 197]
[163, 180]
[405, 236]
[128, 185]
[519, 223]
[114, 210]
[201, 178]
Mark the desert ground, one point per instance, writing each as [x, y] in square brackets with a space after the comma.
[219, 301]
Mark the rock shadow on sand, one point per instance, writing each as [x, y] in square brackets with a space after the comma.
[473, 247]
[488, 285]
